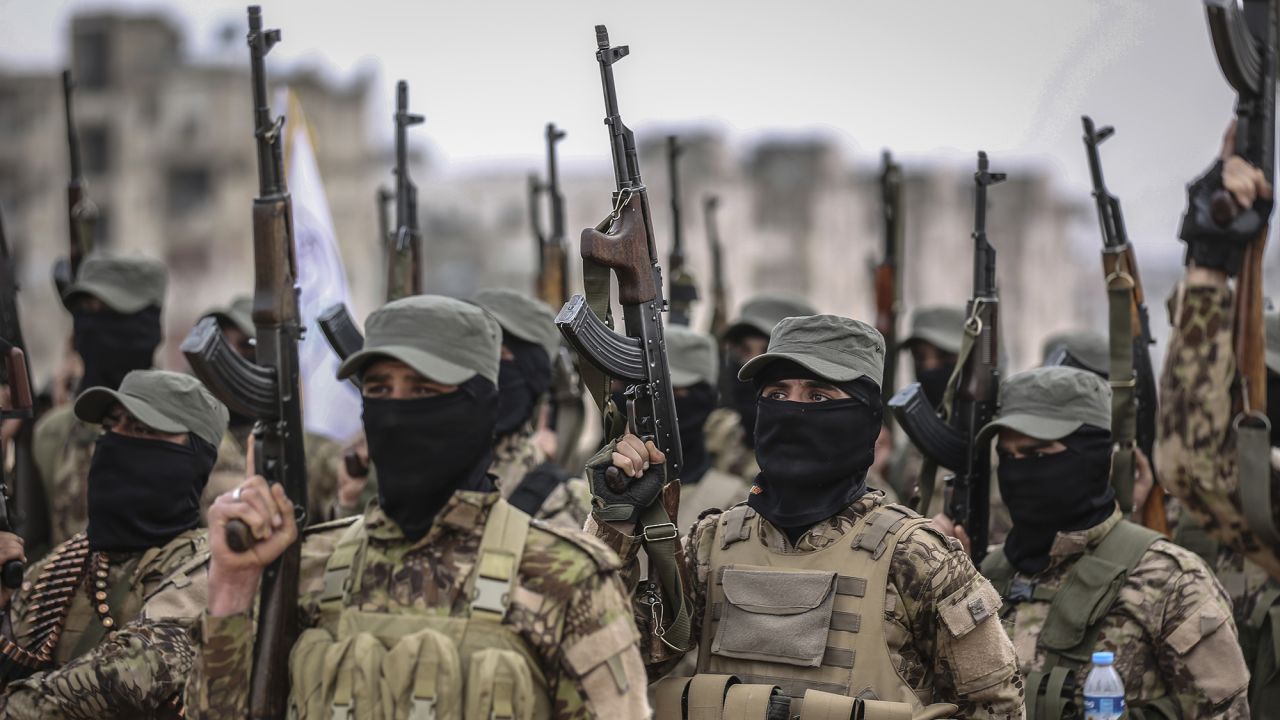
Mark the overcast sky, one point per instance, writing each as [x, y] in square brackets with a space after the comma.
[930, 79]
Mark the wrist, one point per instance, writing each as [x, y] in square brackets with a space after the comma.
[1198, 276]
[232, 592]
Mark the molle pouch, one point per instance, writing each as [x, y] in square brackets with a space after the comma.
[306, 676]
[499, 686]
[751, 702]
[1089, 591]
[422, 678]
[818, 705]
[775, 615]
[352, 672]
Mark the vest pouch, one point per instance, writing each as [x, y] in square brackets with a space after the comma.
[306, 676]
[1086, 596]
[779, 616]
[499, 686]
[352, 679]
[422, 677]
[751, 702]
[818, 705]
[882, 710]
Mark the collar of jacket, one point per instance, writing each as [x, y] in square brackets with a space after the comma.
[465, 513]
[1068, 545]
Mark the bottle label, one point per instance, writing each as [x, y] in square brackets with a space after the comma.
[1103, 708]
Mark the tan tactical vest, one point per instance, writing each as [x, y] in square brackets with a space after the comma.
[421, 663]
[804, 621]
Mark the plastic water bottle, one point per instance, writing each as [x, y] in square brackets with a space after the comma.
[1103, 690]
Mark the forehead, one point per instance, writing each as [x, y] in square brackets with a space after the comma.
[394, 368]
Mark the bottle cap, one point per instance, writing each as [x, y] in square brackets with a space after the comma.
[1103, 658]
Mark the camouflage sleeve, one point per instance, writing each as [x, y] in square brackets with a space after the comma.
[952, 616]
[137, 672]
[1198, 650]
[218, 688]
[600, 670]
[1195, 452]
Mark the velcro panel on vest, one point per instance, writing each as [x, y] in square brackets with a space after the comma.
[845, 584]
[734, 526]
[499, 686]
[707, 694]
[818, 705]
[883, 710]
[748, 702]
[965, 609]
[882, 521]
[501, 548]
[776, 615]
[669, 698]
[422, 675]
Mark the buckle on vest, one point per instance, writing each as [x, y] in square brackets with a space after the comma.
[1021, 590]
[659, 532]
[491, 595]
[423, 709]
[341, 712]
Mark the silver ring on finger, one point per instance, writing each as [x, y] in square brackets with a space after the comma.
[235, 494]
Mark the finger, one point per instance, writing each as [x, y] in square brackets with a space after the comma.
[259, 499]
[258, 524]
[284, 506]
[1228, 141]
[634, 443]
[623, 463]
[1243, 196]
[638, 463]
[1262, 187]
[656, 456]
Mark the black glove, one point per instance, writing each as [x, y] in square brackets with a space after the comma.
[616, 497]
[1214, 246]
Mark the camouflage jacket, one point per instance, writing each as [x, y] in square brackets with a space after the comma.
[726, 442]
[1170, 629]
[926, 568]
[569, 606]
[515, 456]
[137, 670]
[1195, 451]
[63, 447]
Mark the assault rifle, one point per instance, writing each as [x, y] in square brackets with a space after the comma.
[31, 516]
[20, 407]
[82, 214]
[948, 437]
[382, 206]
[267, 389]
[623, 243]
[888, 275]
[1133, 382]
[684, 292]
[719, 295]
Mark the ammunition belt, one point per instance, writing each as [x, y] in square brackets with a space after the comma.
[46, 613]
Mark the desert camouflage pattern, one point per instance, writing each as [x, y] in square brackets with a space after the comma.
[1171, 628]
[1195, 451]
[926, 567]
[515, 456]
[569, 594]
[727, 445]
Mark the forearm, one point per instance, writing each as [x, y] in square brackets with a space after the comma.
[219, 684]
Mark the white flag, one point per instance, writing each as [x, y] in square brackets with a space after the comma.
[330, 407]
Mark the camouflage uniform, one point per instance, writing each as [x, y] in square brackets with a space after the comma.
[726, 442]
[515, 456]
[63, 448]
[568, 599]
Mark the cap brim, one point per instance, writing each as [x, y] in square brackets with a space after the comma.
[93, 404]
[1040, 428]
[115, 298]
[822, 368]
[938, 340]
[428, 365]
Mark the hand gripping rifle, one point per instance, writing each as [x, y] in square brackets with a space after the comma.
[949, 437]
[1245, 35]
[719, 294]
[684, 291]
[888, 274]
[623, 244]
[268, 388]
[1133, 382]
[82, 214]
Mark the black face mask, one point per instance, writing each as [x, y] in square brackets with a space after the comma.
[1066, 491]
[144, 492]
[814, 457]
[113, 344]
[934, 382]
[1273, 406]
[521, 381]
[692, 409]
[426, 448]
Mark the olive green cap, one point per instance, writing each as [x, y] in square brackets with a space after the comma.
[762, 312]
[1050, 403]
[124, 284]
[1089, 348]
[446, 340]
[691, 356]
[942, 326]
[833, 347]
[238, 313]
[1271, 327]
[522, 316]
[165, 401]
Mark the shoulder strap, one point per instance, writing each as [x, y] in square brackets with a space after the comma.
[347, 555]
[878, 524]
[498, 561]
[1126, 544]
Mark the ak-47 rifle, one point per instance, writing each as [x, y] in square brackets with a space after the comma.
[949, 437]
[382, 206]
[888, 276]
[82, 214]
[1133, 382]
[684, 292]
[623, 243]
[31, 516]
[267, 389]
[404, 275]
[719, 294]
[20, 407]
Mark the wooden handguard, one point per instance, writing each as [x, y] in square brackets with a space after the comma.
[626, 252]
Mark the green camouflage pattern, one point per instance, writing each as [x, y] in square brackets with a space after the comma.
[1170, 629]
[63, 447]
[568, 594]
[1195, 450]
[727, 445]
[515, 456]
[926, 567]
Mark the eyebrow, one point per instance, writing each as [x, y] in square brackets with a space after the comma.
[375, 377]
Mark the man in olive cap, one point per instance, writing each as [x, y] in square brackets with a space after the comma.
[115, 306]
[934, 343]
[1084, 349]
[439, 567]
[815, 585]
[1077, 578]
[731, 428]
[66, 649]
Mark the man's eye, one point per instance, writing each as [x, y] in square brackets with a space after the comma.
[776, 395]
[424, 391]
[374, 390]
[818, 397]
